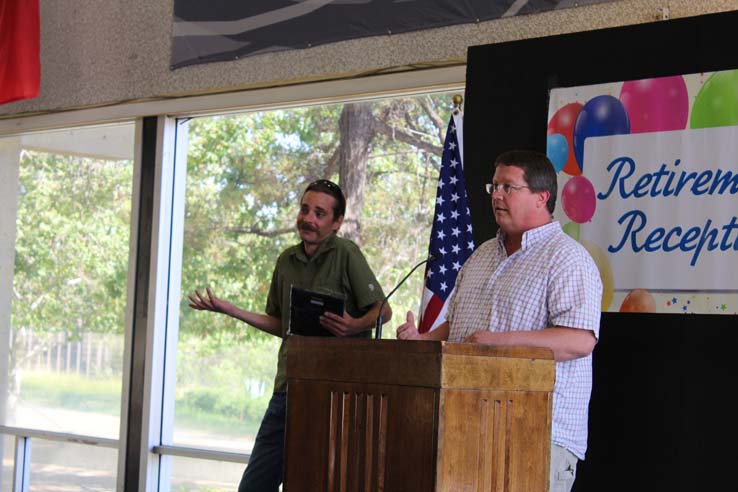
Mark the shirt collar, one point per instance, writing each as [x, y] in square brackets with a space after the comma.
[532, 236]
[326, 245]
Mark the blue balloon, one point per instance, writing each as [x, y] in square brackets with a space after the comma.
[602, 115]
[557, 150]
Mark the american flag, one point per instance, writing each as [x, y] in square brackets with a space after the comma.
[451, 239]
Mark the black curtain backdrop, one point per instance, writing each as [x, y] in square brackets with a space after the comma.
[220, 30]
[660, 415]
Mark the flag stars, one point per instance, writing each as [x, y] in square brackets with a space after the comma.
[454, 162]
[452, 146]
[441, 184]
[470, 245]
[442, 251]
[456, 266]
[454, 214]
[444, 287]
[442, 270]
[455, 249]
[453, 180]
[455, 198]
[468, 228]
[441, 235]
[440, 218]
[455, 233]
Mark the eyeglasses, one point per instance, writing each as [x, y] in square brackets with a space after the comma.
[504, 188]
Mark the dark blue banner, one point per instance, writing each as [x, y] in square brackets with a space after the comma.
[220, 30]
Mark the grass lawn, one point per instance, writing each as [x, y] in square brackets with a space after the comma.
[103, 395]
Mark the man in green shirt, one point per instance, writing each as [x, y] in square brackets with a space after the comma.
[320, 262]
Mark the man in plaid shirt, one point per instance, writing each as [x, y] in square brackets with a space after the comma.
[532, 285]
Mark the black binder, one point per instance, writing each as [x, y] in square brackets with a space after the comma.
[306, 306]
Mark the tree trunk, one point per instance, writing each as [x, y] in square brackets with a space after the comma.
[356, 127]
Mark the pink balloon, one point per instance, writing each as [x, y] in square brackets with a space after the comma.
[578, 199]
[656, 105]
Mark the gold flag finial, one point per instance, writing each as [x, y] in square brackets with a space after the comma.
[458, 99]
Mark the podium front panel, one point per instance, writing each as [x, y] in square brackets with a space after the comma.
[390, 415]
[494, 441]
[360, 437]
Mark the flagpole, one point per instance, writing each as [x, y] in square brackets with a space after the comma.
[458, 117]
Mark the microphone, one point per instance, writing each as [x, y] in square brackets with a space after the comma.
[378, 333]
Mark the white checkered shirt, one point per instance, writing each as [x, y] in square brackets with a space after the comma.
[550, 281]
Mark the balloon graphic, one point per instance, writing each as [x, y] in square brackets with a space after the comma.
[638, 301]
[572, 230]
[656, 105]
[557, 150]
[717, 102]
[562, 123]
[603, 265]
[578, 199]
[602, 115]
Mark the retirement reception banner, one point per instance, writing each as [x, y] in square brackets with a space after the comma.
[648, 184]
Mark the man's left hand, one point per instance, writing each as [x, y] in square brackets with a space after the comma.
[341, 326]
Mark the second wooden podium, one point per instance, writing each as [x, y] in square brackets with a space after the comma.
[398, 416]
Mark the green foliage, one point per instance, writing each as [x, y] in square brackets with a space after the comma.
[71, 252]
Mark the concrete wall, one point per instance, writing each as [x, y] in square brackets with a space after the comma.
[105, 52]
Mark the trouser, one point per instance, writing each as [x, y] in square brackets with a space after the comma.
[563, 469]
[264, 471]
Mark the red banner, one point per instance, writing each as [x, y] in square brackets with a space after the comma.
[20, 66]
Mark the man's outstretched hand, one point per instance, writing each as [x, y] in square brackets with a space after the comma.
[209, 302]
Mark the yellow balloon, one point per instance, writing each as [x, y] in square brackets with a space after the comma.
[603, 265]
[572, 229]
[638, 301]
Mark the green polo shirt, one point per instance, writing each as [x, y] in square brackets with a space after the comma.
[338, 268]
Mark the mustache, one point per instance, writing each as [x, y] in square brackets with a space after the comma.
[308, 227]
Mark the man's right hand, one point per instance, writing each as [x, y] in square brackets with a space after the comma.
[408, 330]
[210, 303]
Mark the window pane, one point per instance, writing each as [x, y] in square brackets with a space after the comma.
[8, 457]
[65, 345]
[70, 386]
[78, 467]
[245, 177]
[192, 475]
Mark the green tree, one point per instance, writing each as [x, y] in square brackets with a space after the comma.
[71, 252]
[72, 244]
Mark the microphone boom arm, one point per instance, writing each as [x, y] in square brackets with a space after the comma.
[378, 333]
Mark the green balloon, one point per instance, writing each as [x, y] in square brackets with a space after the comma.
[572, 229]
[717, 102]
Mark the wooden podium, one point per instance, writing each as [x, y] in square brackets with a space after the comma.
[400, 416]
